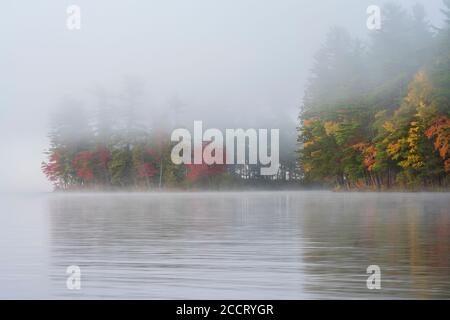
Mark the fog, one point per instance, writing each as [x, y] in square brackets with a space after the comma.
[228, 63]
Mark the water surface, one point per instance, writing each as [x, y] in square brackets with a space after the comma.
[246, 245]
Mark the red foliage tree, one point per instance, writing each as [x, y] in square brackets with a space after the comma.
[51, 169]
[82, 164]
[196, 171]
[440, 131]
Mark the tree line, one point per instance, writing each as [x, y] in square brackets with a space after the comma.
[114, 146]
[376, 114]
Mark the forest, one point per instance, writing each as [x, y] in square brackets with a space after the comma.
[116, 147]
[375, 114]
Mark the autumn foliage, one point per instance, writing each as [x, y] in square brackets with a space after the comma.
[380, 118]
[439, 131]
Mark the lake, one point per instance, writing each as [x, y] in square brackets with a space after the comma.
[230, 245]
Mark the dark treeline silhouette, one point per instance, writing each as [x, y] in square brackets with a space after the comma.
[376, 115]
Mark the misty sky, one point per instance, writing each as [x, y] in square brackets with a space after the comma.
[246, 57]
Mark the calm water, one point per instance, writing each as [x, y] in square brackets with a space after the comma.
[275, 245]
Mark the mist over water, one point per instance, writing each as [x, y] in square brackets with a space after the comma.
[224, 63]
[93, 109]
[226, 245]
